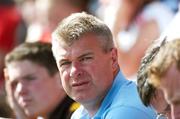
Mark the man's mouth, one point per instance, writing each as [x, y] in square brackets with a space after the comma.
[80, 84]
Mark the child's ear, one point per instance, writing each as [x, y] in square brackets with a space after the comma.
[5, 71]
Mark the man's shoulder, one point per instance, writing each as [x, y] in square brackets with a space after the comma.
[128, 112]
[127, 100]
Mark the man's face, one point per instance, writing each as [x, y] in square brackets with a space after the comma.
[170, 84]
[34, 89]
[86, 71]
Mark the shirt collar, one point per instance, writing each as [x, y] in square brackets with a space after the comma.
[117, 83]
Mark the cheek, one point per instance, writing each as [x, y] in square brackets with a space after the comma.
[40, 94]
[37, 86]
[167, 94]
[15, 94]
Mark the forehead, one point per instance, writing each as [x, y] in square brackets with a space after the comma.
[172, 75]
[17, 65]
[86, 43]
[22, 68]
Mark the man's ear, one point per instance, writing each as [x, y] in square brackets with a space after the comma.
[114, 58]
[6, 76]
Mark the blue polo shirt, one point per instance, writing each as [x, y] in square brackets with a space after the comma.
[121, 102]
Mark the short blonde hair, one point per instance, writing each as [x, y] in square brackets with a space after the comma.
[76, 25]
[168, 55]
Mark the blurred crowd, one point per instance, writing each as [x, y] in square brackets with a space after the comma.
[135, 24]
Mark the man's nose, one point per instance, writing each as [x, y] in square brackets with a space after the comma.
[76, 70]
[21, 88]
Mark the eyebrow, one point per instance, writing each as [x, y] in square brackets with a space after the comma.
[86, 54]
[28, 76]
[81, 56]
[23, 77]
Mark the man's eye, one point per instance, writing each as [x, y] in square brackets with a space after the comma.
[85, 59]
[29, 78]
[14, 84]
[64, 64]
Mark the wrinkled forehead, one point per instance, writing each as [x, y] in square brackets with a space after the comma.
[58, 43]
[86, 44]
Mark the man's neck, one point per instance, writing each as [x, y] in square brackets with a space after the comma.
[93, 106]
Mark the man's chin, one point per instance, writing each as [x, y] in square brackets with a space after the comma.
[31, 114]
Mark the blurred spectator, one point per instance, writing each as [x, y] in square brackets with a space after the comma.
[137, 24]
[146, 90]
[164, 73]
[172, 31]
[173, 4]
[11, 27]
[92, 6]
[148, 93]
[36, 92]
[48, 13]
[104, 9]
